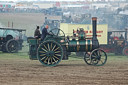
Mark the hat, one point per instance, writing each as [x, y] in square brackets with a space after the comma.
[38, 27]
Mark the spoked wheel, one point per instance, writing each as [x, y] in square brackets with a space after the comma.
[50, 53]
[87, 58]
[125, 51]
[57, 32]
[12, 46]
[98, 57]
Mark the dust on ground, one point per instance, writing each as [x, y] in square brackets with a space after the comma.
[71, 72]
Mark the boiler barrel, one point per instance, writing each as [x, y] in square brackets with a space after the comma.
[79, 46]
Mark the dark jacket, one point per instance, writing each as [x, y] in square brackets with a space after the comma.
[44, 33]
[37, 33]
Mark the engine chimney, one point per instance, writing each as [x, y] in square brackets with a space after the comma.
[95, 42]
[94, 24]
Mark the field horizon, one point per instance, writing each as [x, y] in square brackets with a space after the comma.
[27, 21]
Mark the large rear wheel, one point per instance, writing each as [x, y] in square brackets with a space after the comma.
[50, 53]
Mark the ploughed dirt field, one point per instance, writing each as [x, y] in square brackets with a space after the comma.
[17, 70]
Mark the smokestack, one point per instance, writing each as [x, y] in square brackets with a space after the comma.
[94, 25]
[95, 41]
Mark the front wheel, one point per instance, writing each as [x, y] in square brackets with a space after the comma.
[98, 57]
[50, 53]
[87, 58]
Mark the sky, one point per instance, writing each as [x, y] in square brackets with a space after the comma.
[42, 0]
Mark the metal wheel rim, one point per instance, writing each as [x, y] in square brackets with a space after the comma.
[50, 53]
[57, 34]
[87, 59]
[126, 51]
[98, 57]
[12, 46]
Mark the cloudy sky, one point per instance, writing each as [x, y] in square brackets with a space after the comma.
[42, 0]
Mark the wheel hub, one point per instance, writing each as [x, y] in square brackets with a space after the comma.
[50, 53]
[12, 46]
[98, 57]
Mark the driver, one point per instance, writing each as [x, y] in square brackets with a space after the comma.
[44, 32]
[37, 33]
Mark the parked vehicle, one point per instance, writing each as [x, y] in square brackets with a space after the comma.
[11, 39]
[117, 43]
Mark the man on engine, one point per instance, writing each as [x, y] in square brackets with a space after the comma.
[37, 33]
[44, 32]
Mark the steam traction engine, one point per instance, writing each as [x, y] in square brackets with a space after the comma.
[56, 47]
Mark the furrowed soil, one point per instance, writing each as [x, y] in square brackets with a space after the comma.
[20, 71]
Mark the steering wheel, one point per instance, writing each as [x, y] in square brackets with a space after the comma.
[57, 32]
